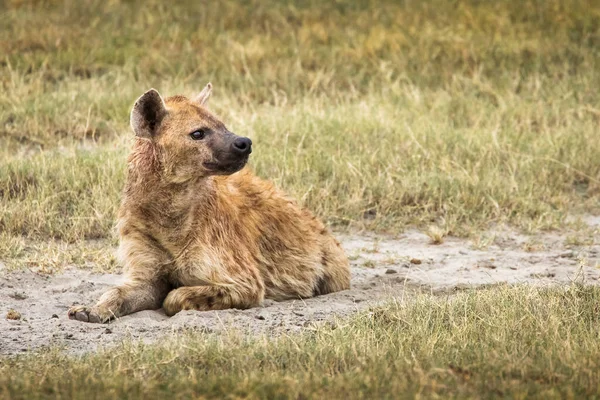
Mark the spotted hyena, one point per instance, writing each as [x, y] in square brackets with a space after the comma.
[198, 231]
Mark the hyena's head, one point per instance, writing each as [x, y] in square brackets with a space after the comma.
[190, 140]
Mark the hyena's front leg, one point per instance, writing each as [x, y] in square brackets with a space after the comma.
[122, 300]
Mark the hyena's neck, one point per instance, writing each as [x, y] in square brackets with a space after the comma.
[167, 201]
[171, 214]
[166, 204]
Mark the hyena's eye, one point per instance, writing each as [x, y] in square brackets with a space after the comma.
[198, 135]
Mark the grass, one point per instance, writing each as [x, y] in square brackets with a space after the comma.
[374, 116]
[452, 115]
[512, 342]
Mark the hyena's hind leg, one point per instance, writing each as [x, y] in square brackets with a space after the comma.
[205, 298]
[336, 272]
[123, 300]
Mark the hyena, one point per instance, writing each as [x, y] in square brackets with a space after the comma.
[198, 231]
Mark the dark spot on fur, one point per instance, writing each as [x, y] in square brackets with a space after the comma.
[238, 231]
[210, 301]
[324, 259]
[320, 287]
[271, 243]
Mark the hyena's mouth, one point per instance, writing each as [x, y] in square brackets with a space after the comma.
[226, 167]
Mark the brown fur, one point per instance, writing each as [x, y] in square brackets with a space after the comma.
[208, 238]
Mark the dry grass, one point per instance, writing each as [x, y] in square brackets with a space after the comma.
[373, 116]
[500, 342]
[12, 314]
[436, 234]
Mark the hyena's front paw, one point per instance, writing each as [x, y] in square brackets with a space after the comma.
[85, 314]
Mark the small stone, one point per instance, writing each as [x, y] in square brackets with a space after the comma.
[463, 252]
[415, 261]
[108, 331]
[54, 316]
[391, 271]
[18, 296]
[567, 254]
[486, 264]
[261, 317]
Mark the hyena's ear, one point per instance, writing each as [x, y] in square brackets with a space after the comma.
[202, 98]
[147, 114]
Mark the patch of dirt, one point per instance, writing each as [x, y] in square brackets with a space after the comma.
[383, 267]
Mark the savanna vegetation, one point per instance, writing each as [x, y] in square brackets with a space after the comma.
[375, 115]
[495, 343]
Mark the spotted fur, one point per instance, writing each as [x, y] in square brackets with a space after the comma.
[198, 231]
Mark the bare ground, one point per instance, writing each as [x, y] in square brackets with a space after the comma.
[383, 267]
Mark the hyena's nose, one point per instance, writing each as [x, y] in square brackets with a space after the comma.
[242, 146]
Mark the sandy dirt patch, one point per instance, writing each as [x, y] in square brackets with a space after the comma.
[383, 267]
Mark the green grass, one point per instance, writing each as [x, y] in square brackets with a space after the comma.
[451, 115]
[375, 115]
[512, 342]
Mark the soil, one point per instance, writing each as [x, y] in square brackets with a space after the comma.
[33, 306]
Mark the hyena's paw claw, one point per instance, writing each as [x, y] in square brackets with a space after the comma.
[84, 314]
